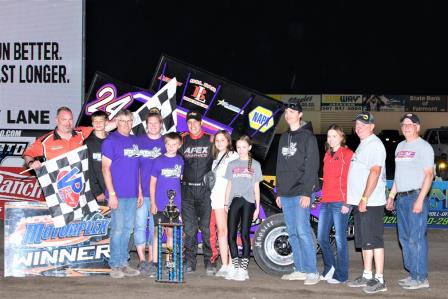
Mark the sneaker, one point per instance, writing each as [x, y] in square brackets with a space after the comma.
[329, 274]
[296, 275]
[358, 282]
[223, 271]
[190, 269]
[334, 281]
[210, 269]
[152, 270]
[130, 272]
[245, 274]
[404, 281]
[143, 267]
[312, 278]
[116, 273]
[240, 275]
[375, 286]
[416, 284]
[231, 273]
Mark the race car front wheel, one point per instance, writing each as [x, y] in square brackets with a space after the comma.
[271, 247]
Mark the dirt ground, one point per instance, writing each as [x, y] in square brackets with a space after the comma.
[260, 285]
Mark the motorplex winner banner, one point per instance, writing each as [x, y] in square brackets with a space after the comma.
[41, 65]
[33, 246]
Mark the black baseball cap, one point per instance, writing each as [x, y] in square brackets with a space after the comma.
[412, 117]
[192, 114]
[294, 104]
[365, 117]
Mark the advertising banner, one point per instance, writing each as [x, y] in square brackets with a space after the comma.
[11, 150]
[334, 102]
[41, 62]
[427, 103]
[35, 247]
[17, 187]
[309, 102]
[438, 207]
[238, 109]
[384, 103]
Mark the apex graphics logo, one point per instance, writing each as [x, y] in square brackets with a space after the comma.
[70, 185]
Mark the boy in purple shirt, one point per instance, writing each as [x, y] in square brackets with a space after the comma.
[166, 175]
[120, 165]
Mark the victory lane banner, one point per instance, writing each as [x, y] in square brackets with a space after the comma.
[66, 186]
[35, 247]
[240, 110]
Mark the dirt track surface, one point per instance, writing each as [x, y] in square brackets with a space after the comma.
[260, 285]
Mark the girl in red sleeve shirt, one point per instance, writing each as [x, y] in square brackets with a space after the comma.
[333, 210]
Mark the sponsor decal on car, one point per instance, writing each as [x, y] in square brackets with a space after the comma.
[261, 119]
[230, 107]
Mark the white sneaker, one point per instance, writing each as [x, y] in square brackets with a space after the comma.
[296, 275]
[223, 271]
[312, 278]
[245, 273]
[231, 273]
[328, 275]
[241, 275]
[333, 281]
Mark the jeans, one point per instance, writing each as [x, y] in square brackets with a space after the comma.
[412, 230]
[196, 213]
[298, 224]
[142, 221]
[330, 214]
[122, 222]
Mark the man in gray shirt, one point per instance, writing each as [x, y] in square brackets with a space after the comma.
[366, 187]
[414, 160]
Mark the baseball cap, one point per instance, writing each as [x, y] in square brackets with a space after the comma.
[412, 117]
[192, 114]
[154, 110]
[365, 117]
[294, 104]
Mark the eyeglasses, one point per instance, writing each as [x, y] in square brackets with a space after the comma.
[128, 121]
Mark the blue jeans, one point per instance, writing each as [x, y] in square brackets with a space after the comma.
[122, 223]
[298, 224]
[412, 235]
[330, 214]
[142, 216]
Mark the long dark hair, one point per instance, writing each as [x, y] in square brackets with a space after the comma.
[226, 134]
[341, 133]
[249, 141]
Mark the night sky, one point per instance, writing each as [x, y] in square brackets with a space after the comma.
[385, 47]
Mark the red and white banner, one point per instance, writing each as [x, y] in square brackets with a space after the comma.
[17, 187]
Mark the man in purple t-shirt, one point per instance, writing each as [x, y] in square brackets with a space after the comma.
[120, 160]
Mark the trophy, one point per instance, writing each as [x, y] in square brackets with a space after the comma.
[175, 254]
[171, 211]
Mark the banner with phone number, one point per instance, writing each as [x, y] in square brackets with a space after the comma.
[438, 207]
